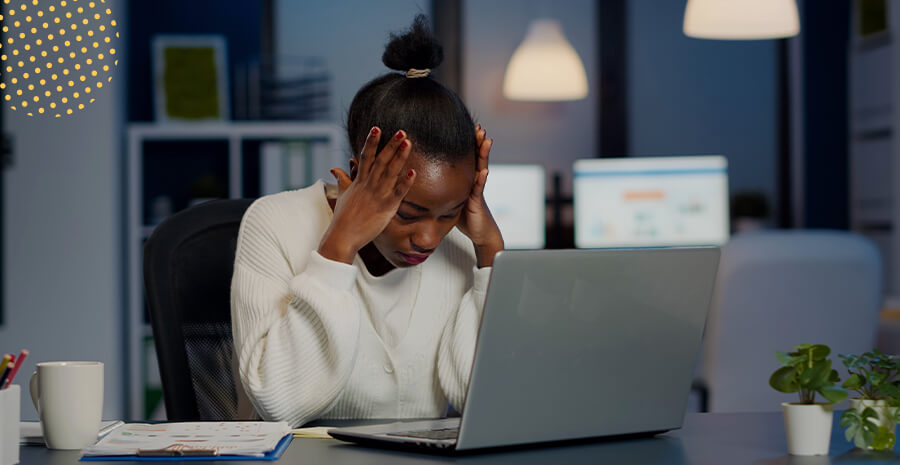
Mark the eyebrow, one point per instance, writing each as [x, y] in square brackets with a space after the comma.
[425, 209]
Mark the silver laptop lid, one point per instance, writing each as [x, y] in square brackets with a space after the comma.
[585, 343]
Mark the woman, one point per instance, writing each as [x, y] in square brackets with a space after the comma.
[363, 300]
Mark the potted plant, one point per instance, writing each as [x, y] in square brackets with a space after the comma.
[872, 417]
[806, 369]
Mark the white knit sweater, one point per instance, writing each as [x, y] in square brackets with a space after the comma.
[317, 338]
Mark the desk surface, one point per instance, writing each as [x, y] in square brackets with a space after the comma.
[756, 438]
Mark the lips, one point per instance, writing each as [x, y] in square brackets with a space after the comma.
[413, 259]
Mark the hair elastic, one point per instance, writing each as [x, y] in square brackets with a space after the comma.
[418, 73]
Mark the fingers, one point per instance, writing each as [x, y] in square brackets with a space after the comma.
[484, 152]
[480, 182]
[484, 147]
[367, 157]
[404, 182]
[398, 146]
[343, 179]
[398, 161]
[479, 135]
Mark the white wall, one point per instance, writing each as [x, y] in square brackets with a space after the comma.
[62, 239]
[692, 96]
[550, 134]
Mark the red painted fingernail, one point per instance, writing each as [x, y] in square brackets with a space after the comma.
[374, 130]
[405, 144]
[399, 135]
[409, 173]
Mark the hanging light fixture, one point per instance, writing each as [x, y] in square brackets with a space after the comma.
[545, 67]
[741, 19]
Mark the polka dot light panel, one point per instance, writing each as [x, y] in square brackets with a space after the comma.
[56, 54]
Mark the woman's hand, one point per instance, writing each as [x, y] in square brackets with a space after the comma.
[366, 203]
[476, 220]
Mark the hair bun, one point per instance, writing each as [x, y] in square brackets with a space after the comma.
[416, 48]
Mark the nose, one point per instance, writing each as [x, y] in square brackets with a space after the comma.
[427, 237]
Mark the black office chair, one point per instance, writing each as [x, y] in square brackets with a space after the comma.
[188, 263]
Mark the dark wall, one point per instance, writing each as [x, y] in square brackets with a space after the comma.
[825, 41]
[613, 101]
[240, 21]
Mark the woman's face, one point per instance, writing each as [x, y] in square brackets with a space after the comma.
[429, 211]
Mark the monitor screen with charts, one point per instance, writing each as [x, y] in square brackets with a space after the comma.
[515, 195]
[651, 201]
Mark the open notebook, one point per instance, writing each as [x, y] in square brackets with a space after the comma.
[221, 440]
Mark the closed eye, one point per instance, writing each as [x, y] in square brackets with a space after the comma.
[405, 217]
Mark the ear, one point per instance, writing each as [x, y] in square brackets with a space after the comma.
[354, 168]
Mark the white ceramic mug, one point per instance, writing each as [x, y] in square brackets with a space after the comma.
[69, 399]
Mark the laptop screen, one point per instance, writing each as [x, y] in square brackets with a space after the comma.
[651, 201]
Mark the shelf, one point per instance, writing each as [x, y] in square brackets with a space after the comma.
[872, 41]
[873, 99]
[873, 227]
[241, 130]
[870, 83]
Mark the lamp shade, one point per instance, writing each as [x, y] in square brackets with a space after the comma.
[545, 67]
[741, 19]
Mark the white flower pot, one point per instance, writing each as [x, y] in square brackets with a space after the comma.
[880, 407]
[808, 427]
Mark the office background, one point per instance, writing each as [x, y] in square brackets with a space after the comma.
[64, 208]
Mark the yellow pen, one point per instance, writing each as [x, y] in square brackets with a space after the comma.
[6, 359]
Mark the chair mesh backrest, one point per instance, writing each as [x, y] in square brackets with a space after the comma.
[209, 351]
[202, 269]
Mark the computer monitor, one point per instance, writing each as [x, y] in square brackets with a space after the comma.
[651, 201]
[515, 195]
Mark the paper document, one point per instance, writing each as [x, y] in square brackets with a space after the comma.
[245, 438]
[313, 432]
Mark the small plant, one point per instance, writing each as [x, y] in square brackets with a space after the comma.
[806, 369]
[865, 432]
[874, 376]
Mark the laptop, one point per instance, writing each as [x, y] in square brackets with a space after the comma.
[575, 345]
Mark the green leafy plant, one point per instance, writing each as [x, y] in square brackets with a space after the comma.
[806, 369]
[873, 376]
[863, 430]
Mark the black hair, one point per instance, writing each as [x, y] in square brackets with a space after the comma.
[433, 116]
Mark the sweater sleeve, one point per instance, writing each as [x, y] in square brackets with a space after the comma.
[295, 335]
[457, 346]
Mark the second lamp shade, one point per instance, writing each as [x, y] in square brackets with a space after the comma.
[741, 19]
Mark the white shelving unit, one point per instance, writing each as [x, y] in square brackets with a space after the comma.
[874, 165]
[141, 364]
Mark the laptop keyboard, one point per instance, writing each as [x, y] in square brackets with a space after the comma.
[444, 433]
